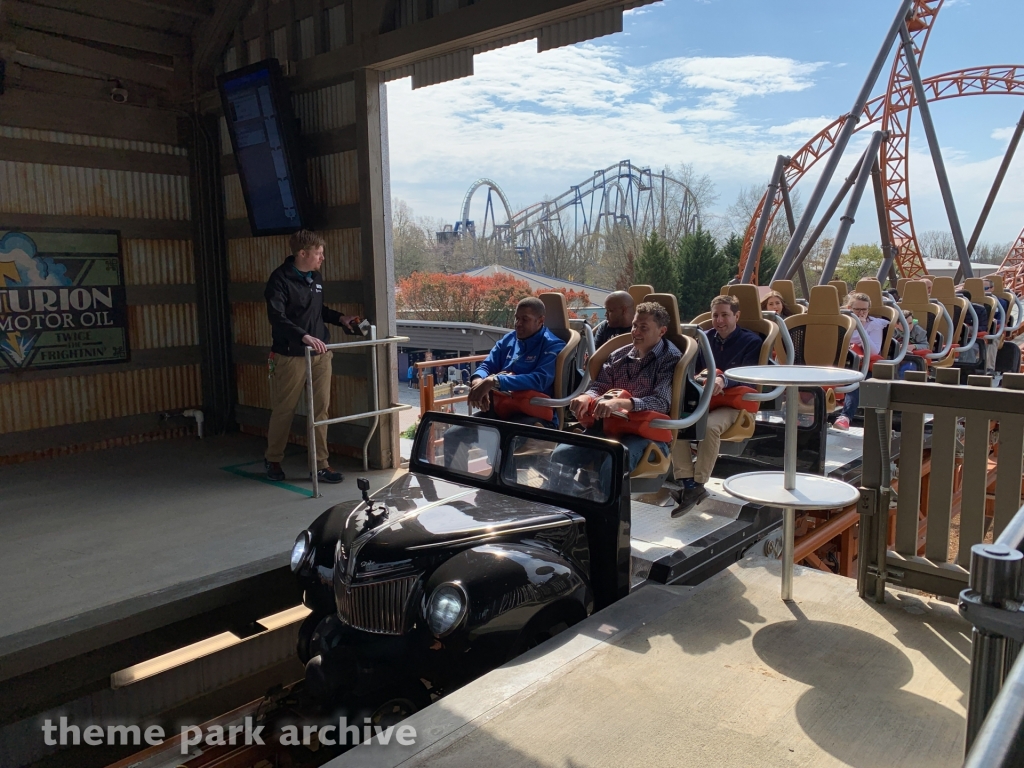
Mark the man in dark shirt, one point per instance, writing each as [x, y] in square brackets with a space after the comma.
[618, 317]
[732, 347]
[298, 319]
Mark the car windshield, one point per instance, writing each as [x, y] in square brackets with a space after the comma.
[580, 469]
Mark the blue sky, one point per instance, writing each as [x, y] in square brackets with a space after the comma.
[725, 85]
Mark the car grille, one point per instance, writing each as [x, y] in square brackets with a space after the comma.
[380, 607]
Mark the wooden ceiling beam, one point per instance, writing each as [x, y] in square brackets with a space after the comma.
[212, 36]
[197, 10]
[71, 24]
[124, 10]
[78, 55]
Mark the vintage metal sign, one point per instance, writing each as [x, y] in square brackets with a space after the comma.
[62, 300]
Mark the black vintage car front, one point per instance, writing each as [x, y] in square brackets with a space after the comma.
[435, 580]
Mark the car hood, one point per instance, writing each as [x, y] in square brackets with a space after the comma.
[425, 514]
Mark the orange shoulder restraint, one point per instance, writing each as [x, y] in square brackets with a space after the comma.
[635, 423]
[509, 404]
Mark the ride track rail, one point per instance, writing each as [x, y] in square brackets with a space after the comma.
[893, 110]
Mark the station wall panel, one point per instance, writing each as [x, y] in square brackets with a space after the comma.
[48, 412]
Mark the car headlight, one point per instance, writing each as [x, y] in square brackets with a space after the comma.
[445, 609]
[302, 550]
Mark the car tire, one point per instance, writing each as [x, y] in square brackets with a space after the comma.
[545, 625]
[305, 636]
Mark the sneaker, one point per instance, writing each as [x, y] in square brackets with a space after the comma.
[274, 471]
[842, 424]
[328, 475]
[688, 498]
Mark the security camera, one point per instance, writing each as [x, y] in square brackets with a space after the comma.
[118, 95]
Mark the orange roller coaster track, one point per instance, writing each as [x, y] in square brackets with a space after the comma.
[893, 111]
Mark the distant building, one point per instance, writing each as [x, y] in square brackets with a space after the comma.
[946, 268]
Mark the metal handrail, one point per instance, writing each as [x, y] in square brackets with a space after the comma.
[787, 346]
[974, 327]
[373, 343]
[1002, 324]
[1020, 313]
[949, 340]
[992, 603]
[561, 402]
[905, 343]
[865, 343]
[706, 391]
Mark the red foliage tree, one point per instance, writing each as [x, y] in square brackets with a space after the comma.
[460, 298]
[575, 300]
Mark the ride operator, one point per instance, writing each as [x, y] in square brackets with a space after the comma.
[298, 319]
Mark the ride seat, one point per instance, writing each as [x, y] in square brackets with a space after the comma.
[639, 293]
[841, 287]
[788, 291]
[914, 297]
[999, 291]
[944, 291]
[976, 287]
[750, 318]
[654, 466]
[873, 290]
[557, 320]
[822, 335]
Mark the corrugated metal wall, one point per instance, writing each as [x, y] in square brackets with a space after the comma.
[41, 412]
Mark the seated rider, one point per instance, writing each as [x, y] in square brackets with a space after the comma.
[860, 305]
[644, 369]
[618, 317]
[732, 347]
[523, 360]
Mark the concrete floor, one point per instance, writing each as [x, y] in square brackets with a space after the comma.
[89, 530]
[722, 674]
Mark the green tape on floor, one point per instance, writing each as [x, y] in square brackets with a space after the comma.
[236, 469]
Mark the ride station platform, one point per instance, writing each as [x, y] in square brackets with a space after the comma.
[723, 673]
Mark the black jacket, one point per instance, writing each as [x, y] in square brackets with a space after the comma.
[741, 347]
[295, 307]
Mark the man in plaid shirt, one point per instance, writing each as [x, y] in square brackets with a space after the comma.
[643, 368]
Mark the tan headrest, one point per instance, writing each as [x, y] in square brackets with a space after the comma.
[671, 304]
[914, 292]
[976, 287]
[944, 290]
[824, 301]
[872, 288]
[639, 292]
[788, 292]
[997, 283]
[556, 311]
[750, 304]
[900, 284]
[841, 287]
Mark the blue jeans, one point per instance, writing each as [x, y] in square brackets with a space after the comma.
[572, 456]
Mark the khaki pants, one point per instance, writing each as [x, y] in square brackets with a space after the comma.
[991, 351]
[287, 384]
[719, 420]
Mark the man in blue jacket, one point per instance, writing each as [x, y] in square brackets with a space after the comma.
[523, 359]
[732, 347]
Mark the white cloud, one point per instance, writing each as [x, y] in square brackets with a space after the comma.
[805, 127]
[1003, 134]
[538, 123]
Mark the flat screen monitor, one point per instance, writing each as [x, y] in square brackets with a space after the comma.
[263, 136]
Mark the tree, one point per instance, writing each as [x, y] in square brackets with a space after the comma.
[739, 214]
[575, 300]
[409, 241]
[733, 249]
[858, 262]
[656, 267]
[460, 298]
[702, 271]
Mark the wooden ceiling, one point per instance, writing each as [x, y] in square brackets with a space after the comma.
[147, 47]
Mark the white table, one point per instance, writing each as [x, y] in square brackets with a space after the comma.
[790, 489]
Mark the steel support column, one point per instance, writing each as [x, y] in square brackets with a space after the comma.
[888, 250]
[762, 223]
[1004, 166]
[933, 145]
[899, 22]
[787, 204]
[867, 161]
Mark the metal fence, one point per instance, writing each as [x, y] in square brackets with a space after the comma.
[373, 344]
[948, 470]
